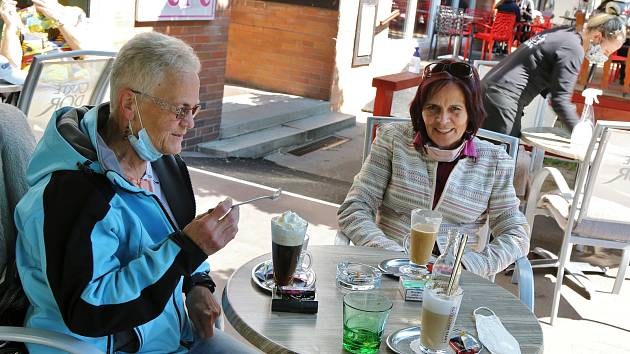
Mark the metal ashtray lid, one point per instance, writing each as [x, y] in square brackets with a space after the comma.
[358, 276]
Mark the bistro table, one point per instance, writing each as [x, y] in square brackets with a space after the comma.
[551, 139]
[248, 308]
[570, 19]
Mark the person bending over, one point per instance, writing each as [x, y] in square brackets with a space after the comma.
[548, 63]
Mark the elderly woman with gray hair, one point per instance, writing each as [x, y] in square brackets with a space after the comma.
[108, 241]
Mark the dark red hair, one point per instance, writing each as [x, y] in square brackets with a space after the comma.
[471, 87]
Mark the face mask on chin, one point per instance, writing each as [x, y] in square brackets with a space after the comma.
[142, 145]
[595, 54]
[444, 155]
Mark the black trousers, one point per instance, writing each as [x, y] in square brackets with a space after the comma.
[503, 114]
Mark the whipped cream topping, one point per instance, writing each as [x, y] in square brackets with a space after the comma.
[288, 229]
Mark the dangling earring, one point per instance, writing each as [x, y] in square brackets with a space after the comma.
[126, 132]
[468, 134]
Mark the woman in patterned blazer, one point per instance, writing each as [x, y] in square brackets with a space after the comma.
[436, 162]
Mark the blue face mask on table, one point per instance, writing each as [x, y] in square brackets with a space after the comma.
[142, 145]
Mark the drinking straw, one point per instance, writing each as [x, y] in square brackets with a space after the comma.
[458, 259]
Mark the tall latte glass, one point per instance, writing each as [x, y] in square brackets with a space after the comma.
[425, 225]
[287, 238]
[439, 312]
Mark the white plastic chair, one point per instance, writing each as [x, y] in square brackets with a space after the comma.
[484, 66]
[47, 338]
[597, 211]
[523, 274]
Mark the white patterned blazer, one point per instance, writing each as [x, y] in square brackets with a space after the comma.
[396, 179]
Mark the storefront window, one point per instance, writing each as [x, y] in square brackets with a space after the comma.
[397, 27]
[421, 20]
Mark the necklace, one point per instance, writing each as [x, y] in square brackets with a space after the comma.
[145, 182]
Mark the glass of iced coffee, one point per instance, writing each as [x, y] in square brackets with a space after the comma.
[287, 238]
[425, 225]
[439, 312]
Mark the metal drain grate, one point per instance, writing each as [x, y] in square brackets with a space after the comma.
[325, 143]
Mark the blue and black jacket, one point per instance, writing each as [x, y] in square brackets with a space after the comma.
[99, 258]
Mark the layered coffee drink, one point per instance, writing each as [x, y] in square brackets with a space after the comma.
[421, 242]
[439, 312]
[287, 237]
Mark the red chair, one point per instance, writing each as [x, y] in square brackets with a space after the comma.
[475, 19]
[617, 60]
[540, 25]
[502, 30]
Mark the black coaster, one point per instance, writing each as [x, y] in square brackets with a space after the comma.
[294, 300]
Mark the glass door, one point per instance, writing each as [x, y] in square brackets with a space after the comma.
[420, 18]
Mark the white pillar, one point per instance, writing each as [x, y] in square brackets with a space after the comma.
[410, 18]
[433, 10]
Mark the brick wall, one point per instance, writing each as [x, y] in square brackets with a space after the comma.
[209, 40]
[282, 47]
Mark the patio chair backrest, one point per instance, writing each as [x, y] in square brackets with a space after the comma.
[482, 17]
[450, 21]
[503, 26]
[370, 130]
[58, 80]
[603, 186]
[509, 142]
[484, 66]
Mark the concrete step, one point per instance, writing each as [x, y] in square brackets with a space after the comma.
[246, 113]
[262, 142]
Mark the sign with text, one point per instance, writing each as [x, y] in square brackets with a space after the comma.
[174, 10]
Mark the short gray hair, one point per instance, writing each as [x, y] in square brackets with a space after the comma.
[143, 61]
[610, 25]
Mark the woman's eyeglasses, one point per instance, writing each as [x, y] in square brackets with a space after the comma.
[181, 112]
[457, 69]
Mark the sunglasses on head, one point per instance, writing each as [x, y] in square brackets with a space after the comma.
[457, 69]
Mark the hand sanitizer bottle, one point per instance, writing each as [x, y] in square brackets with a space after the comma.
[583, 131]
[414, 64]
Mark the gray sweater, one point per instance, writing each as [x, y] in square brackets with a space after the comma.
[16, 146]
